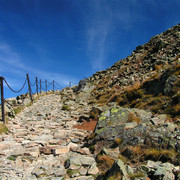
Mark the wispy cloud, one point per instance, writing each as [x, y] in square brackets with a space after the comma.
[108, 16]
[97, 33]
[10, 60]
[97, 44]
[14, 69]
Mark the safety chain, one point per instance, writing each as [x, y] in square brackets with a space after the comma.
[14, 90]
[30, 85]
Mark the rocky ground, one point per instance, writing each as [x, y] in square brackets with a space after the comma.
[43, 143]
[58, 137]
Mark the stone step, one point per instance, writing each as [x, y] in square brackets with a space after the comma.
[42, 139]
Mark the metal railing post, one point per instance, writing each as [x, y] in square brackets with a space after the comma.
[40, 86]
[46, 85]
[36, 85]
[2, 100]
[30, 92]
[70, 84]
[53, 85]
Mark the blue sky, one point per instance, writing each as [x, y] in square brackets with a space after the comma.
[68, 40]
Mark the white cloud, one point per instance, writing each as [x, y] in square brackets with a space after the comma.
[14, 69]
[107, 17]
[98, 30]
[9, 58]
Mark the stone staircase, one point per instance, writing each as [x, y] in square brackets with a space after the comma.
[42, 143]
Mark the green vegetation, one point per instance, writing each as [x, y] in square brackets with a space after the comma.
[12, 158]
[66, 108]
[122, 158]
[70, 172]
[136, 175]
[30, 104]
[91, 136]
[18, 109]
[3, 129]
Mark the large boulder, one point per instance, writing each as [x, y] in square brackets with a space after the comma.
[81, 85]
[117, 171]
[125, 127]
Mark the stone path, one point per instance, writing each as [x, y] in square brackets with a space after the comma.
[42, 144]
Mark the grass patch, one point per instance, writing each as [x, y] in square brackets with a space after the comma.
[136, 175]
[65, 108]
[156, 154]
[122, 158]
[18, 109]
[12, 158]
[3, 129]
[92, 136]
[104, 162]
[30, 104]
[70, 172]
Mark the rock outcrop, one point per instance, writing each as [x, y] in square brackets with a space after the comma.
[147, 79]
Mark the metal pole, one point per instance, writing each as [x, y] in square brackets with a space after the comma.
[40, 86]
[36, 85]
[2, 100]
[53, 85]
[46, 86]
[30, 93]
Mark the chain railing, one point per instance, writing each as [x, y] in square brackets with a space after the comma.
[38, 89]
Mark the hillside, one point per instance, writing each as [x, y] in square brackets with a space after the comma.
[121, 123]
[147, 79]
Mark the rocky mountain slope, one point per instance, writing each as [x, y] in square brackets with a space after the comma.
[121, 123]
[147, 79]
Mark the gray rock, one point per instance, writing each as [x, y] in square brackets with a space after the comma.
[113, 153]
[76, 140]
[153, 165]
[145, 116]
[83, 171]
[130, 125]
[164, 174]
[31, 177]
[75, 160]
[58, 134]
[37, 172]
[81, 85]
[93, 169]
[169, 85]
[87, 160]
[58, 171]
[57, 178]
[118, 167]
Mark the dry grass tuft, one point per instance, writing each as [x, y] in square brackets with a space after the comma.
[133, 118]
[104, 162]
[157, 154]
[118, 141]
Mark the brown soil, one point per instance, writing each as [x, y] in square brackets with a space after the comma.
[90, 126]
